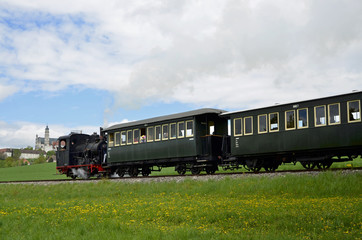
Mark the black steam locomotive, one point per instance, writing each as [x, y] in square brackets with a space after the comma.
[315, 133]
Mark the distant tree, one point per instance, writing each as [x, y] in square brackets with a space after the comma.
[49, 154]
[9, 162]
[40, 159]
[29, 148]
[2, 156]
[16, 153]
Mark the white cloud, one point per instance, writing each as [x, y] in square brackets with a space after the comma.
[7, 90]
[231, 54]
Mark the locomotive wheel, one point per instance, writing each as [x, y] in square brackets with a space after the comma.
[70, 174]
[181, 169]
[324, 164]
[133, 172]
[195, 170]
[308, 165]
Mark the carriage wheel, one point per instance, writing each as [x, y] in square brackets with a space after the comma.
[270, 169]
[146, 171]
[211, 170]
[324, 164]
[181, 169]
[308, 165]
[195, 170]
[120, 172]
[253, 165]
[133, 172]
[255, 169]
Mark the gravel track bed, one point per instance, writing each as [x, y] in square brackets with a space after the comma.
[189, 177]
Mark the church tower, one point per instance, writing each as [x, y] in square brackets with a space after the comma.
[46, 140]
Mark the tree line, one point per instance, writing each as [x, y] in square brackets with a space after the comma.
[15, 161]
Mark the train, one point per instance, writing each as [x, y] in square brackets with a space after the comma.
[315, 133]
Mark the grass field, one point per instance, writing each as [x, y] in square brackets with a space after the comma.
[326, 206]
[47, 171]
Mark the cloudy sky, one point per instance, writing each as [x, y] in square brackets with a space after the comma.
[80, 65]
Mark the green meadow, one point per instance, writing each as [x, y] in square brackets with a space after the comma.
[323, 206]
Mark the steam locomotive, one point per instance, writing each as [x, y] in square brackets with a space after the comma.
[315, 133]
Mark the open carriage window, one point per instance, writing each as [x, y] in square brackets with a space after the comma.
[173, 131]
[123, 138]
[157, 133]
[110, 139]
[136, 136]
[274, 122]
[290, 120]
[165, 132]
[320, 116]
[334, 114]
[354, 111]
[302, 118]
[181, 129]
[189, 128]
[150, 134]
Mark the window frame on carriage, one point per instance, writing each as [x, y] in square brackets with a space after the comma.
[266, 123]
[349, 114]
[239, 125]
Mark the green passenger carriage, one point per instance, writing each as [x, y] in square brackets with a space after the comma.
[316, 133]
[187, 141]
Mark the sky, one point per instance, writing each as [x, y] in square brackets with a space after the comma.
[86, 64]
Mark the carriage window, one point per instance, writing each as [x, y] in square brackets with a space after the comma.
[189, 128]
[117, 137]
[290, 120]
[136, 136]
[165, 132]
[181, 129]
[123, 138]
[274, 122]
[157, 133]
[150, 134]
[237, 127]
[129, 137]
[248, 125]
[320, 116]
[302, 118]
[333, 114]
[354, 111]
[111, 140]
[173, 131]
[262, 123]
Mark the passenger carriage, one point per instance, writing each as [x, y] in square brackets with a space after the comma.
[317, 132]
[188, 141]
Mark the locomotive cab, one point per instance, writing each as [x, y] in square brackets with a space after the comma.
[81, 155]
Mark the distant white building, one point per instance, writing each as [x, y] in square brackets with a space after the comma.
[25, 154]
[46, 144]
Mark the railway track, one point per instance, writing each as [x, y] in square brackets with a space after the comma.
[177, 178]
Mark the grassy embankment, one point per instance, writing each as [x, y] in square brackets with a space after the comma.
[326, 206]
[47, 171]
